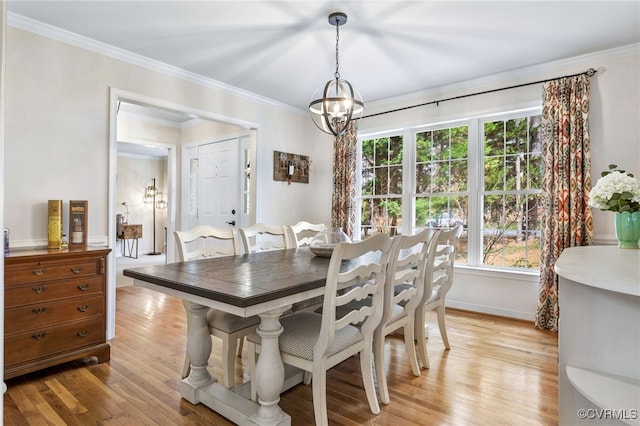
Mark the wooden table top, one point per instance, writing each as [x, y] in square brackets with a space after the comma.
[241, 280]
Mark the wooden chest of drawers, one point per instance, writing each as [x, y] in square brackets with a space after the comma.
[55, 308]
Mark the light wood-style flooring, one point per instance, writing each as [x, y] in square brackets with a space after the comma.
[498, 372]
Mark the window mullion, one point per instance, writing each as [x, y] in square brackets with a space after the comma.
[408, 181]
[475, 176]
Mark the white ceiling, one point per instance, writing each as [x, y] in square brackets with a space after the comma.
[284, 50]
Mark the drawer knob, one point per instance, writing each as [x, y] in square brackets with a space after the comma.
[39, 290]
[83, 333]
[38, 336]
[39, 272]
[83, 287]
[38, 311]
[76, 269]
[84, 308]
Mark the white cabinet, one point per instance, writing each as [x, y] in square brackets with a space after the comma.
[599, 336]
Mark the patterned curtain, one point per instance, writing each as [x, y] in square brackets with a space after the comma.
[566, 216]
[343, 203]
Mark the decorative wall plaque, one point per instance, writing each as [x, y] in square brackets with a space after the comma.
[290, 167]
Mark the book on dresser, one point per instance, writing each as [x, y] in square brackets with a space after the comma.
[55, 308]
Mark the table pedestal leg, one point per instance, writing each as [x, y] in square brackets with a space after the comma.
[198, 351]
[269, 375]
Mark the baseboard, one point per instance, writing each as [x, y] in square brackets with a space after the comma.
[492, 310]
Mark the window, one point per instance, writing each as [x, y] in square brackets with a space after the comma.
[442, 197]
[381, 203]
[511, 193]
[483, 173]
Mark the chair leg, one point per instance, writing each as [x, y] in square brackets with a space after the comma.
[443, 327]
[410, 345]
[319, 388]
[366, 368]
[421, 338]
[306, 379]
[229, 345]
[378, 359]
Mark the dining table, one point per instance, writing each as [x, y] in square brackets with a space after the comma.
[266, 284]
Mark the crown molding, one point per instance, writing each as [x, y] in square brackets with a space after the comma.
[37, 27]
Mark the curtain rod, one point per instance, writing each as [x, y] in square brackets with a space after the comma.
[589, 73]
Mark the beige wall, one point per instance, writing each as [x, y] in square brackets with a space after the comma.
[135, 130]
[204, 131]
[57, 135]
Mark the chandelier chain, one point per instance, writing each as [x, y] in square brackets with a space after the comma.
[337, 73]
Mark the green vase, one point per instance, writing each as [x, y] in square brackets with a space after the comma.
[628, 229]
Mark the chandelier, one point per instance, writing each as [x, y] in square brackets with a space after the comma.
[335, 103]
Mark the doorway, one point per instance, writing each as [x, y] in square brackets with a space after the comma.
[216, 182]
[142, 209]
[147, 138]
[155, 109]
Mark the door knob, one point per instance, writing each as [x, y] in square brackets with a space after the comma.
[232, 223]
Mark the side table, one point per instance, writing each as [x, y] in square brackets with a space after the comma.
[129, 236]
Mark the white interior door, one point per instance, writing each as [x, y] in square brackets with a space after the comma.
[219, 195]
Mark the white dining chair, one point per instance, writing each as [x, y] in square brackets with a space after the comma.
[439, 274]
[302, 233]
[205, 241]
[404, 287]
[261, 237]
[407, 267]
[316, 342]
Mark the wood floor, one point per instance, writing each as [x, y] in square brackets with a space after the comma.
[498, 371]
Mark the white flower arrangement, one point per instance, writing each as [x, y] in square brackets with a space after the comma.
[616, 191]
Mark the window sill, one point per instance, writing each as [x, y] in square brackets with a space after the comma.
[524, 275]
